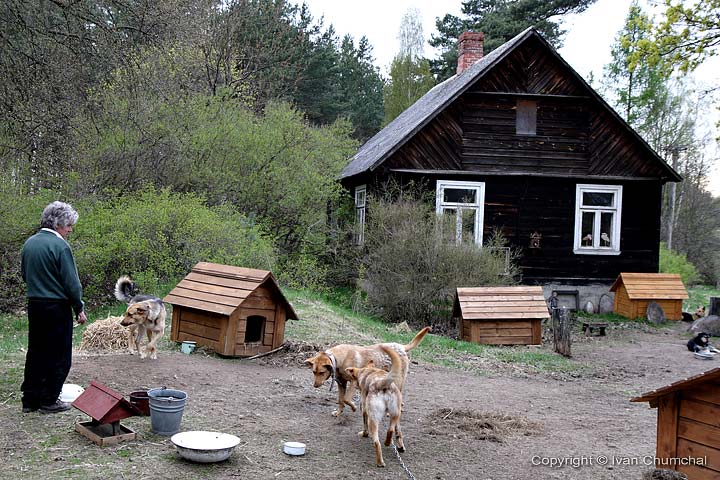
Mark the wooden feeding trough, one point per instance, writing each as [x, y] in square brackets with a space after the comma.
[688, 425]
[633, 292]
[106, 407]
[501, 315]
[232, 310]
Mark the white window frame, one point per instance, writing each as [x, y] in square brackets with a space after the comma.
[360, 209]
[616, 208]
[478, 206]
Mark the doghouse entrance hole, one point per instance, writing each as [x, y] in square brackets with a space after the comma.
[254, 329]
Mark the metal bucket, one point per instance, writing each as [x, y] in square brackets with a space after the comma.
[166, 410]
[141, 400]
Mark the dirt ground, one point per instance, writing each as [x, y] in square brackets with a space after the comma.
[507, 424]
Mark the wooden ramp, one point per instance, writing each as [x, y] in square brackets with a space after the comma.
[501, 315]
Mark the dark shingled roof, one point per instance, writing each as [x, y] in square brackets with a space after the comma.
[403, 127]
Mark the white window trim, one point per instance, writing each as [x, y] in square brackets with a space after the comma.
[617, 220]
[362, 207]
[479, 206]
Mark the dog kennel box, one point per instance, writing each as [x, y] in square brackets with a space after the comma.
[234, 311]
[688, 425]
[501, 315]
[106, 408]
[633, 292]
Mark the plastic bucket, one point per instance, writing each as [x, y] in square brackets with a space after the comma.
[187, 347]
[166, 410]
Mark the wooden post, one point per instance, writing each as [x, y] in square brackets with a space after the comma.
[562, 335]
[714, 306]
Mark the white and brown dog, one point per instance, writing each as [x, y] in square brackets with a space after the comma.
[381, 394]
[334, 362]
[145, 315]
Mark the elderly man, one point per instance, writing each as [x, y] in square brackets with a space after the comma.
[53, 291]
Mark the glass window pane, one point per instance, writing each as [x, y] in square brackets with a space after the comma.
[460, 195]
[360, 198]
[597, 199]
[449, 224]
[468, 225]
[606, 229]
[586, 230]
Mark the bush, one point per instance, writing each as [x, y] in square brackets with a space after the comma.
[156, 237]
[673, 262]
[412, 269]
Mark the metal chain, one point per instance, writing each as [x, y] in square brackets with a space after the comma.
[402, 464]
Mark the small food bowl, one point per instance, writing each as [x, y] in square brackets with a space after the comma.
[204, 447]
[294, 448]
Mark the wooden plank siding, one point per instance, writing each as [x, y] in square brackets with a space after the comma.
[634, 291]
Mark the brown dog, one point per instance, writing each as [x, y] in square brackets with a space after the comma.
[334, 362]
[381, 394]
[145, 315]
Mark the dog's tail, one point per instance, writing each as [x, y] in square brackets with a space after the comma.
[124, 288]
[396, 374]
[418, 338]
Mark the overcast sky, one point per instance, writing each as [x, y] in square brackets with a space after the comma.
[586, 47]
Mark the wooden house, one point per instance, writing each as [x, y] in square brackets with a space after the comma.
[633, 292]
[518, 142]
[232, 310]
[501, 315]
[688, 425]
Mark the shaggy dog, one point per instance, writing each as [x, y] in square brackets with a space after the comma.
[334, 362]
[381, 394]
[145, 315]
[699, 342]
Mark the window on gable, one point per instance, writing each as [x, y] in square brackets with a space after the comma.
[526, 117]
[461, 206]
[360, 202]
[597, 219]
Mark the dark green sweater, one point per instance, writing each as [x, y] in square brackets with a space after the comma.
[49, 270]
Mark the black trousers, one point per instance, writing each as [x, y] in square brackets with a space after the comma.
[49, 353]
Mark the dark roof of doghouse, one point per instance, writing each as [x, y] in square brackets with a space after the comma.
[651, 286]
[500, 303]
[691, 382]
[398, 132]
[222, 289]
[104, 404]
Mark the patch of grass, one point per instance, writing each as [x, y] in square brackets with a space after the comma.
[700, 295]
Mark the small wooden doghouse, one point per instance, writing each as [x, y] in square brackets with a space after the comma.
[501, 315]
[633, 292]
[106, 408]
[688, 425]
[232, 310]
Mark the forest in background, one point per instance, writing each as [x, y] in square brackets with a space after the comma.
[204, 129]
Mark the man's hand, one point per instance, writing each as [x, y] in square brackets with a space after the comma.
[82, 318]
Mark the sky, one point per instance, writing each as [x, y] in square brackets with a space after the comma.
[586, 46]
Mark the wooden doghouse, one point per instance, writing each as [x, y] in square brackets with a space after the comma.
[501, 315]
[106, 408]
[232, 310]
[688, 425]
[633, 292]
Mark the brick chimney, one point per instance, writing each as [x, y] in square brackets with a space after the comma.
[470, 49]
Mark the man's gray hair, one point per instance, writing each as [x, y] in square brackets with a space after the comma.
[58, 215]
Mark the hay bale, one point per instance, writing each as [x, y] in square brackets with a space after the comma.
[105, 335]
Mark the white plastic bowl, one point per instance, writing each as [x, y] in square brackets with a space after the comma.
[70, 392]
[294, 448]
[204, 447]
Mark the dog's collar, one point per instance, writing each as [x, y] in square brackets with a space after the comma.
[333, 366]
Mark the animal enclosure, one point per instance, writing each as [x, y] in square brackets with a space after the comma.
[232, 310]
[501, 315]
[634, 291]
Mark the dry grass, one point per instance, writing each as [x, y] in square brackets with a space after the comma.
[106, 335]
[494, 427]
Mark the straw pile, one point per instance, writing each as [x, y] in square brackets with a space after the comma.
[105, 335]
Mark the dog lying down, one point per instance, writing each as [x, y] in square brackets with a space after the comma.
[334, 362]
[145, 315]
[381, 394]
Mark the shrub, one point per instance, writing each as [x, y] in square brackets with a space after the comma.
[412, 269]
[157, 236]
[673, 262]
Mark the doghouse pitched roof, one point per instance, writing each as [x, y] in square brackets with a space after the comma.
[649, 286]
[500, 303]
[711, 376]
[222, 289]
[104, 404]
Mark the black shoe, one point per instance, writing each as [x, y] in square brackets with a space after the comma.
[56, 407]
[29, 409]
